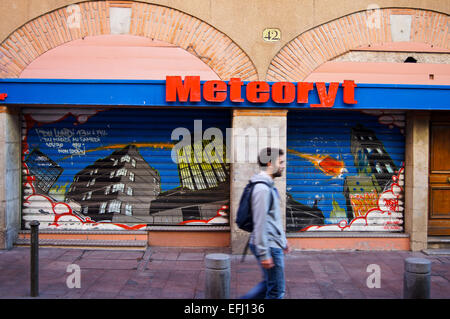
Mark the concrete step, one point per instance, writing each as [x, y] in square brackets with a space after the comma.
[436, 252]
[438, 242]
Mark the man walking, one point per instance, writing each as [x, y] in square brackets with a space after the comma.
[268, 241]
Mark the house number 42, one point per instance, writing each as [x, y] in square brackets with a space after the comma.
[271, 35]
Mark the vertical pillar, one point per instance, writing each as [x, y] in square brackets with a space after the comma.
[252, 131]
[9, 176]
[34, 259]
[416, 178]
[417, 278]
[217, 276]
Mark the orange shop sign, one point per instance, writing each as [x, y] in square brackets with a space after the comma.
[191, 90]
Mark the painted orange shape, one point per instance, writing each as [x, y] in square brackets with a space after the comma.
[331, 166]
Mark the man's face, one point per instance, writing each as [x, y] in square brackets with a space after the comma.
[279, 166]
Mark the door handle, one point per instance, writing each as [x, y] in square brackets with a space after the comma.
[448, 179]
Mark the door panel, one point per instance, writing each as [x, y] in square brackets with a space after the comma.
[441, 202]
[439, 179]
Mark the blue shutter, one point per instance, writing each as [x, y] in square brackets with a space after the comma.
[345, 171]
[79, 164]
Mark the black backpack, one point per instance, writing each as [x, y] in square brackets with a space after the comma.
[244, 217]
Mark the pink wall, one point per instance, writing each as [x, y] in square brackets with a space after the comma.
[117, 57]
[133, 57]
[380, 72]
[404, 47]
[383, 72]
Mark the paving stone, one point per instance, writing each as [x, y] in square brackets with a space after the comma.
[153, 293]
[164, 255]
[98, 263]
[191, 256]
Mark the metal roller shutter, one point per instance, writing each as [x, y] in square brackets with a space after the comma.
[345, 171]
[113, 168]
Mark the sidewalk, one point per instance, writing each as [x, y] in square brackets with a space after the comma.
[161, 272]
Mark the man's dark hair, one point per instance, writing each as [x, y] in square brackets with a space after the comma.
[269, 154]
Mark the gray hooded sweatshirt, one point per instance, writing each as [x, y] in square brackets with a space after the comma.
[267, 224]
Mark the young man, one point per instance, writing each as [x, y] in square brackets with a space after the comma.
[268, 240]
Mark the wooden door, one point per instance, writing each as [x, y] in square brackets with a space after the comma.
[439, 178]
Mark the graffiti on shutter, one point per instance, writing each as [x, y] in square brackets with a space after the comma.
[345, 171]
[113, 169]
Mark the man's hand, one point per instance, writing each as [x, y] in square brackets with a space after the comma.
[267, 263]
[288, 249]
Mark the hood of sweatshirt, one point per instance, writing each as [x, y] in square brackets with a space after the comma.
[262, 177]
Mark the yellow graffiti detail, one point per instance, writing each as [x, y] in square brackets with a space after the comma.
[58, 191]
[362, 203]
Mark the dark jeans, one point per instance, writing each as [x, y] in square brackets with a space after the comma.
[272, 286]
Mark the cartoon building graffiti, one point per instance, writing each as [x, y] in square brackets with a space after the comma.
[44, 169]
[370, 156]
[299, 216]
[204, 186]
[343, 173]
[361, 194]
[182, 204]
[201, 164]
[118, 186]
[375, 170]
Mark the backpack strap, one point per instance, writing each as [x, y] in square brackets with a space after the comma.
[244, 253]
[271, 195]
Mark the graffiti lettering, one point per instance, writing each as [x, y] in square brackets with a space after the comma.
[391, 204]
[393, 225]
[55, 138]
[89, 139]
[44, 132]
[55, 145]
[92, 133]
[65, 132]
[362, 203]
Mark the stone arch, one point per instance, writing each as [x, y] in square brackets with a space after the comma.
[306, 52]
[55, 28]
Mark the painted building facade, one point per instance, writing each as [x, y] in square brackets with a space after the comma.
[355, 179]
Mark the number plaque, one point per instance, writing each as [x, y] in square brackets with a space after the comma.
[271, 35]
